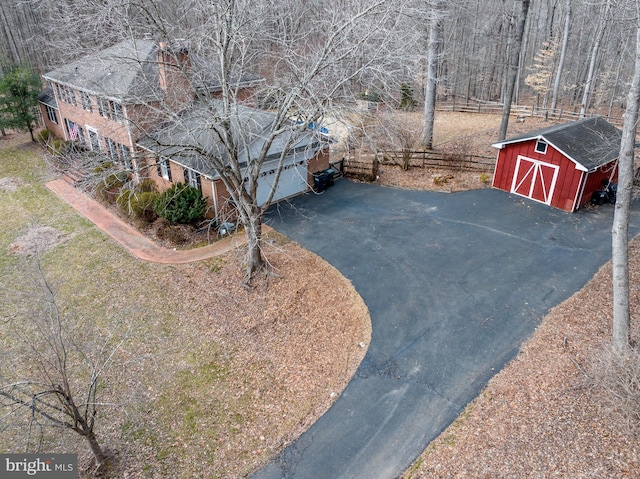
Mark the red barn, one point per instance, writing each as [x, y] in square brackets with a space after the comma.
[561, 165]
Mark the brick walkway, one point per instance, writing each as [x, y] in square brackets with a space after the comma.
[130, 238]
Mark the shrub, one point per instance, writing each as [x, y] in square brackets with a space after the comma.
[147, 186]
[442, 180]
[59, 147]
[181, 204]
[108, 189]
[142, 205]
[407, 101]
[485, 178]
[139, 203]
[44, 137]
[102, 167]
[616, 381]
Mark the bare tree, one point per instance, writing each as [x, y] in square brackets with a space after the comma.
[435, 39]
[310, 71]
[620, 230]
[51, 372]
[514, 62]
[603, 19]
[563, 55]
[395, 132]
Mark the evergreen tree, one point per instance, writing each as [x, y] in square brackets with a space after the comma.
[19, 89]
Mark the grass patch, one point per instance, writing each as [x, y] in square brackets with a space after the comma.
[212, 378]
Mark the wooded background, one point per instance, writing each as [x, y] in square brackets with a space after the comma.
[477, 36]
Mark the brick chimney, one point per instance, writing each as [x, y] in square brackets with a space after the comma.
[174, 67]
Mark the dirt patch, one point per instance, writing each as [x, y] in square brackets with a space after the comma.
[37, 239]
[433, 179]
[9, 185]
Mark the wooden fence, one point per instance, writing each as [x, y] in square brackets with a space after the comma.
[438, 159]
[365, 166]
[520, 111]
[362, 166]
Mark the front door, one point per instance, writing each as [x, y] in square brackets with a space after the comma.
[534, 179]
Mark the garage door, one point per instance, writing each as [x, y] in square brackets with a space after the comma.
[293, 181]
[534, 179]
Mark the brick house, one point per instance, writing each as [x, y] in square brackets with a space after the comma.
[114, 102]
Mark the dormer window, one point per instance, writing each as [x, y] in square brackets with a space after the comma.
[541, 146]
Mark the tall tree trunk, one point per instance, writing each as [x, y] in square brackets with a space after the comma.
[435, 29]
[563, 54]
[253, 230]
[620, 230]
[513, 68]
[597, 40]
[98, 454]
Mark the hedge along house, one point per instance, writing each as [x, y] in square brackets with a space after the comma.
[190, 150]
[562, 165]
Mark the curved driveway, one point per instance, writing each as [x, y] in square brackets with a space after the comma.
[454, 284]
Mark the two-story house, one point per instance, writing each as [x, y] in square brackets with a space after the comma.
[115, 100]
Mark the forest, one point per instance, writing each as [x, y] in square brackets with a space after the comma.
[576, 56]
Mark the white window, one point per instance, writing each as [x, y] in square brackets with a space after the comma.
[164, 170]
[541, 146]
[68, 95]
[86, 101]
[112, 149]
[192, 178]
[103, 107]
[94, 139]
[116, 108]
[51, 115]
[126, 157]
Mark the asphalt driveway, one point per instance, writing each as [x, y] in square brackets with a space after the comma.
[454, 284]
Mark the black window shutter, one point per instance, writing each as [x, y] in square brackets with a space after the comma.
[158, 168]
[168, 163]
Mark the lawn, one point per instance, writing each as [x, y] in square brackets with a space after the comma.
[212, 379]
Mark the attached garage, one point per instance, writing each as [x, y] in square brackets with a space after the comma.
[562, 165]
[174, 153]
[293, 181]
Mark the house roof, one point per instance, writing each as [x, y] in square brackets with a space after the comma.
[47, 97]
[129, 71]
[198, 129]
[590, 143]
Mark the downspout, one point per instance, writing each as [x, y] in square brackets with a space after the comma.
[215, 198]
[134, 150]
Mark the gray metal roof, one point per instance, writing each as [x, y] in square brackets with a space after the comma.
[591, 143]
[199, 130]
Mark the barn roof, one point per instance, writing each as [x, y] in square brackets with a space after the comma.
[591, 143]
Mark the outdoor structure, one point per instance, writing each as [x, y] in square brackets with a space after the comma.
[113, 101]
[172, 146]
[562, 165]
